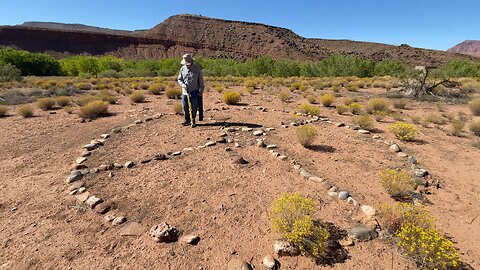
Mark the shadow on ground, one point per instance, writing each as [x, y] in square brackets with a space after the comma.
[335, 253]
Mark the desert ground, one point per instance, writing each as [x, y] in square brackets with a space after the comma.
[201, 192]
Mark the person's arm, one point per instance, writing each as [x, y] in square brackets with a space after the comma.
[180, 80]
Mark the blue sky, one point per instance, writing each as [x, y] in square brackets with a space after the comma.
[421, 23]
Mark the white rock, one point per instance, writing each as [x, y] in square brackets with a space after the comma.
[258, 133]
[368, 210]
[271, 146]
[394, 148]
[80, 160]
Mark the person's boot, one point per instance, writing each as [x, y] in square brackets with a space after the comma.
[185, 123]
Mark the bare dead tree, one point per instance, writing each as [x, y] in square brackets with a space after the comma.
[421, 82]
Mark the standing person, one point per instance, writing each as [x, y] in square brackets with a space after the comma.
[190, 78]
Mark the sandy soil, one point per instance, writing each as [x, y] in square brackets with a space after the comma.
[200, 192]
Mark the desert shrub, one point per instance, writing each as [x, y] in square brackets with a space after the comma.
[341, 109]
[312, 99]
[137, 97]
[457, 127]
[250, 90]
[177, 108]
[327, 100]
[396, 116]
[398, 184]
[306, 135]
[94, 109]
[250, 83]
[155, 88]
[475, 106]
[62, 101]
[363, 121]
[291, 216]
[45, 104]
[218, 87]
[347, 101]
[475, 127]
[68, 109]
[393, 217]
[377, 105]
[25, 110]
[231, 98]
[400, 103]
[355, 108]
[144, 86]
[9, 73]
[309, 109]
[427, 248]
[86, 99]
[295, 86]
[284, 96]
[352, 87]
[416, 119]
[403, 131]
[3, 110]
[126, 91]
[173, 93]
[107, 96]
[435, 119]
[84, 86]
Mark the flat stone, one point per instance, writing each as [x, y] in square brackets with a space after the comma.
[102, 208]
[326, 185]
[352, 201]
[105, 136]
[236, 264]
[85, 171]
[343, 195]
[160, 157]
[82, 198]
[269, 129]
[191, 239]
[363, 131]
[258, 133]
[394, 148]
[332, 194]
[80, 160]
[271, 146]
[177, 153]
[74, 176]
[237, 145]
[297, 166]
[305, 174]
[129, 164]
[116, 130]
[145, 161]
[132, 229]
[109, 218]
[412, 160]
[236, 159]
[119, 220]
[94, 170]
[103, 167]
[316, 179]
[362, 233]
[81, 190]
[222, 135]
[269, 262]
[118, 165]
[339, 124]
[284, 248]
[368, 210]
[260, 143]
[247, 129]
[333, 189]
[188, 149]
[275, 154]
[402, 155]
[228, 149]
[76, 185]
[76, 167]
[347, 242]
[148, 119]
[222, 140]
[93, 201]
[208, 144]
[90, 146]
[232, 129]
[138, 122]
[164, 233]
[86, 154]
[421, 173]
[282, 157]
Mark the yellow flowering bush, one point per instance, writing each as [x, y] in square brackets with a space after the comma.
[327, 100]
[393, 217]
[356, 108]
[403, 131]
[231, 98]
[291, 216]
[309, 109]
[398, 184]
[427, 248]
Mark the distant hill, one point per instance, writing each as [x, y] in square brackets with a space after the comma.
[468, 47]
[203, 36]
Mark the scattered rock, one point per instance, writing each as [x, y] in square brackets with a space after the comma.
[258, 133]
[82, 198]
[362, 233]
[94, 170]
[316, 179]
[270, 263]
[354, 127]
[343, 195]
[138, 122]
[145, 161]
[177, 153]
[80, 160]
[119, 220]
[102, 208]
[305, 174]
[260, 143]
[333, 189]
[421, 173]
[237, 159]
[93, 201]
[237, 145]
[116, 130]
[90, 146]
[228, 149]
[247, 129]
[222, 140]
[148, 119]
[74, 176]
[236, 264]
[105, 136]
[81, 190]
[347, 242]
[394, 148]
[132, 229]
[332, 194]
[363, 131]
[271, 146]
[76, 185]
[412, 160]
[284, 248]
[129, 164]
[160, 157]
[352, 201]
[110, 174]
[118, 165]
[282, 157]
[297, 166]
[85, 154]
[222, 135]
[109, 218]
[190, 239]
[164, 233]
[326, 185]
[402, 155]
[339, 124]
[208, 144]
[368, 210]
[104, 167]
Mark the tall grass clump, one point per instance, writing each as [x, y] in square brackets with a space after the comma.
[364, 121]
[25, 110]
[45, 104]
[284, 96]
[475, 127]
[3, 110]
[327, 100]
[63, 101]
[94, 109]
[306, 135]
[403, 131]
[137, 97]
[231, 98]
[173, 93]
[156, 88]
[291, 216]
[475, 106]
[377, 105]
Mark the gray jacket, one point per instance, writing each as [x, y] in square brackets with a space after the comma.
[191, 79]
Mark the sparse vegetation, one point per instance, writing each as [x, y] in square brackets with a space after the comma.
[25, 110]
[377, 105]
[284, 96]
[156, 88]
[177, 108]
[403, 131]
[94, 109]
[393, 217]
[62, 101]
[306, 135]
[475, 106]
[398, 184]
[231, 98]
[400, 103]
[137, 97]
[309, 109]
[342, 109]
[435, 119]
[173, 93]
[457, 127]
[363, 121]
[3, 110]
[327, 100]
[355, 108]
[9, 73]
[45, 104]
[291, 216]
[312, 99]
[475, 127]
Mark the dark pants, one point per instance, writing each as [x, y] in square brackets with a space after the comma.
[200, 108]
[186, 109]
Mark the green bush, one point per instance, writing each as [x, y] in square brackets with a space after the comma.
[231, 98]
[309, 109]
[156, 88]
[327, 100]
[306, 135]
[45, 104]
[355, 108]
[173, 93]
[62, 101]
[94, 109]
[347, 101]
[137, 97]
[363, 121]
[475, 106]
[403, 131]
[475, 127]
[9, 73]
[341, 109]
[291, 216]
[377, 105]
[3, 110]
[398, 184]
[25, 110]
